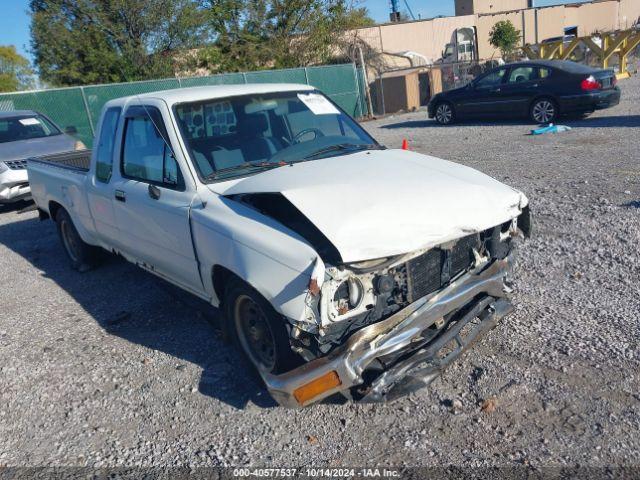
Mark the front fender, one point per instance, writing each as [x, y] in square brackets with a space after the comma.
[260, 251]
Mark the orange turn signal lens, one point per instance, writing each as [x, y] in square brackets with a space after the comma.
[317, 386]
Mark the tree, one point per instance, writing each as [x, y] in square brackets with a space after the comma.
[505, 37]
[15, 70]
[259, 34]
[78, 42]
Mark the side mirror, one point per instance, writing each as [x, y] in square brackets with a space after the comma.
[71, 130]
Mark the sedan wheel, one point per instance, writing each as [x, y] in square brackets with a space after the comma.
[543, 111]
[444, 114]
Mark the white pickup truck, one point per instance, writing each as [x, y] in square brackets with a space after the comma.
[340, 266]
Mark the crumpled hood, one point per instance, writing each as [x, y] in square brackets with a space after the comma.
[387, 202]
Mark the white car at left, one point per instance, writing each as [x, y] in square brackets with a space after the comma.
[24, 134]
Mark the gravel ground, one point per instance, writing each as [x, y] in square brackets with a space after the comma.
[116, 368]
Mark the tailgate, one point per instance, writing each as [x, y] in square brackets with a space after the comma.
[73, 160]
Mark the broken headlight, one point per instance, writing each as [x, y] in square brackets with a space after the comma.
[346, 294]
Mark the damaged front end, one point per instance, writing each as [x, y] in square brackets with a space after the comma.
[392, 325]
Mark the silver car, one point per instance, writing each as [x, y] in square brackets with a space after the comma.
[24, 134]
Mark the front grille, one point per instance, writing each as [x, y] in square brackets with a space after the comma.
[432, 270]
[16, 164]
[423, 274]
[462, 253]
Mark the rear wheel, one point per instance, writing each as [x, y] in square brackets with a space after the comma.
[80, 254]
[444, 113]
[258, 330]
[544, 110]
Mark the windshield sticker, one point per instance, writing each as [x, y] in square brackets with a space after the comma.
[29, 121]
[318, 104]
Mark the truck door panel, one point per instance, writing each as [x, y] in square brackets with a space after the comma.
[151, 203]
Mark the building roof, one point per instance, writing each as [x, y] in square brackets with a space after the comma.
[195, 94]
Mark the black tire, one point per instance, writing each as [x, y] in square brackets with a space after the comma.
[257, 330]
[81, 255]
[543, 110]
[444, 113]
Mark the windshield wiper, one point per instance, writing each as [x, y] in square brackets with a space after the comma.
[245, 166]
[344, 146]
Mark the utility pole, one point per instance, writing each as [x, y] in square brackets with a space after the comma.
[395, 11]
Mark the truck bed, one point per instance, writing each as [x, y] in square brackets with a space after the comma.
[78, 160]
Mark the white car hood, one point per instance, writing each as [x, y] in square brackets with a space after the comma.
[381, 203]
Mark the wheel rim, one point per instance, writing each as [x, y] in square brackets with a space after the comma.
[543, 111]
[254, 333]
[444, 114]
[69, 240]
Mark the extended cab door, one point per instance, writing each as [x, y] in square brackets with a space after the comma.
[100, 191]
[152, 198]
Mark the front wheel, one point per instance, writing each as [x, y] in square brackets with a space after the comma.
[444, 113]
[544, 110]
[258, 330]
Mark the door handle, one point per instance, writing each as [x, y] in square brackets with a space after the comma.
[121, 196]
[154, 192]
[497, 90]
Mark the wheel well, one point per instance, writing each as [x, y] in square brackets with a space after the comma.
[448, 102]
[54, 207]
[221, 277]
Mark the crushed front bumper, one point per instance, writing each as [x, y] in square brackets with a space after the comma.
[405, 351]
[14, 185]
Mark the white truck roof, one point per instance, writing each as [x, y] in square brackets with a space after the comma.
[194, 94]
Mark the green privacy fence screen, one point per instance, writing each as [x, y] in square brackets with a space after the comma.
[80, 106]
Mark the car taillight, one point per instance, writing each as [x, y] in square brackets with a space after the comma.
[590, 83]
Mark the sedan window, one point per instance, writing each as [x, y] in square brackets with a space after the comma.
[491, 79]
[523, 74]
[26, 127]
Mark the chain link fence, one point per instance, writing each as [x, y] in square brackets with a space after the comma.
[80, 107]
[456, 75]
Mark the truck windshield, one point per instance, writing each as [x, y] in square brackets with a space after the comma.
[26, 127]
[241, 135]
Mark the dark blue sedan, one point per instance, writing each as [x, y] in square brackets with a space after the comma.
[539, 90]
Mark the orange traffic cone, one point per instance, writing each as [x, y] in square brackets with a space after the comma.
[405, 144]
